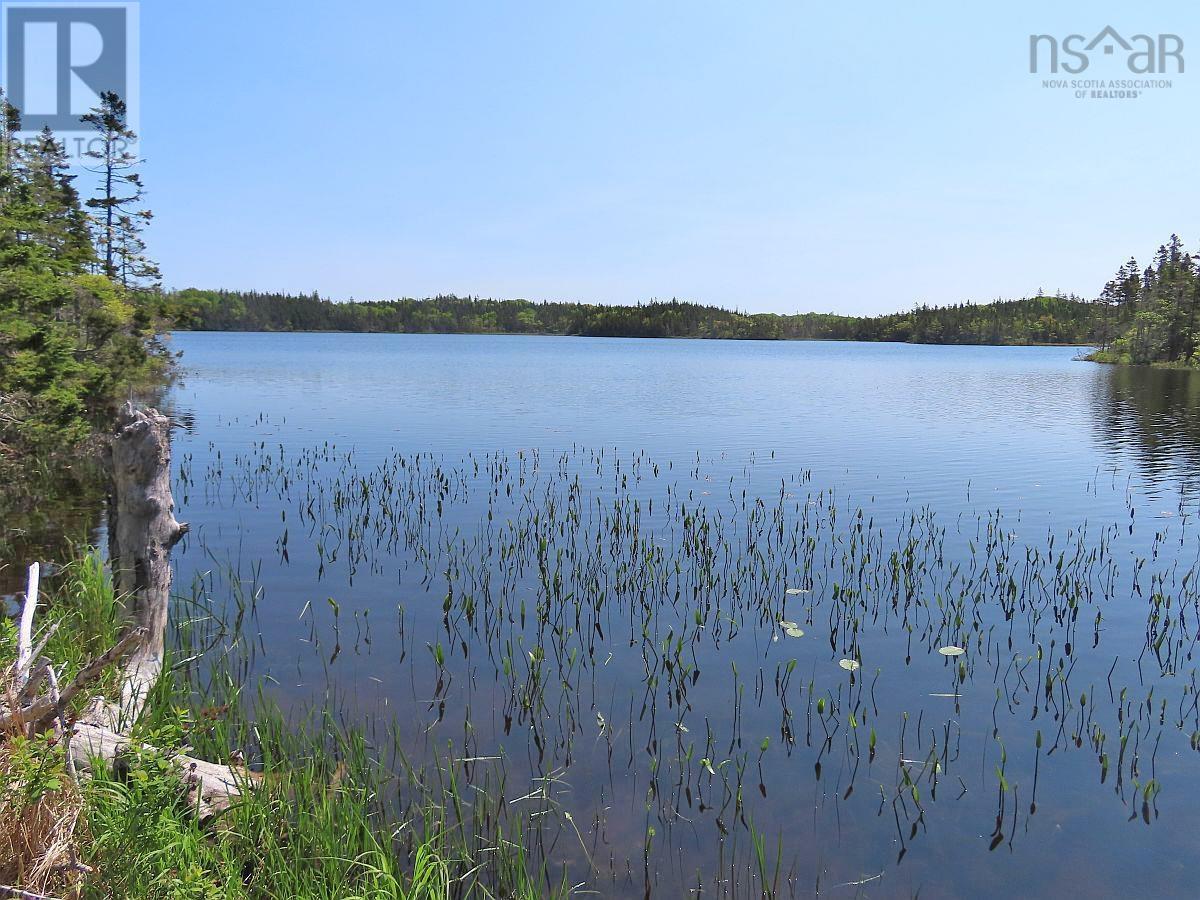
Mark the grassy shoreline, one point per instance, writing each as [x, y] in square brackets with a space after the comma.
[337, 814]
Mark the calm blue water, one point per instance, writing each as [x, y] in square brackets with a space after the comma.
[1020, 421]
[1057, 454]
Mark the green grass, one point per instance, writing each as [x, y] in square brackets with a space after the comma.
[336, 816]
[327, 822]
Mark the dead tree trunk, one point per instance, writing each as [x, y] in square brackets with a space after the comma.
[142, 531]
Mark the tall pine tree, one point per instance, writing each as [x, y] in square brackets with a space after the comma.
[117, 216]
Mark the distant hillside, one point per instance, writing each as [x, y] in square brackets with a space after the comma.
[1033, 320]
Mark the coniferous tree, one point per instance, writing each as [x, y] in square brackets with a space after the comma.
[1158, 308]
[63, 225]
[135, 269]
[70, 339]
[116, 214]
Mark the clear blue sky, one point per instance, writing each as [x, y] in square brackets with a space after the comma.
[774, 156]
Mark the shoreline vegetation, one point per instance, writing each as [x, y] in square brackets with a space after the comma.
[1116, 358]
[1151, 316]
[106, 789]
[1142, 316]
[80, 303]
[1040, 321]
[325, 811]
[81, 309]
[1080, 344]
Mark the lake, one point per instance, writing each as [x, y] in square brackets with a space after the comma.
[565, 562]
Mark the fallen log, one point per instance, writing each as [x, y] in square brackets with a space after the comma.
[142, 531]
[211, 787]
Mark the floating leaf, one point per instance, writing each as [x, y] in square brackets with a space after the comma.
[785, 624]
[793, 632]
[796, 591]
[951, 651]
[850, 665]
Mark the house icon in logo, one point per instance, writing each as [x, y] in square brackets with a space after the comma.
[1143, 54]
[1108, 34]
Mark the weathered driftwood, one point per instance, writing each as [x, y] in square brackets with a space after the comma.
[10, 891]
[142, 530]
[25, 629]
[211, 787]
[37, 714]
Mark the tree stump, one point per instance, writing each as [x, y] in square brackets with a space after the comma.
[141, 532]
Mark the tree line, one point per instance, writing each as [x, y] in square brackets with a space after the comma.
[1143, 315]
[79, 297]
[1152, 315]
[1041, 319]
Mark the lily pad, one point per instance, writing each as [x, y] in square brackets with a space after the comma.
[793, 632]
[850, 665]
[951, 651]
[785, 624]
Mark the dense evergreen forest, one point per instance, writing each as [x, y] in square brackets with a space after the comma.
[1031, 320]
[1034, 320]
[1152, 314]
[1142, 315]
[79, 299]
